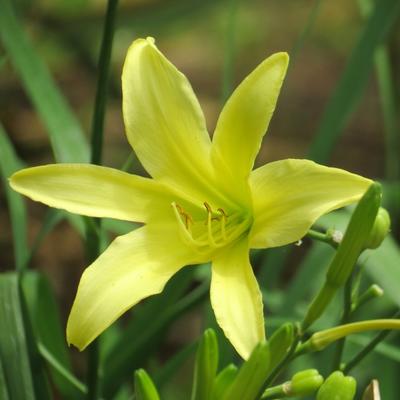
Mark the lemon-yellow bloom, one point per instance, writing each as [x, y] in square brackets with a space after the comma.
[203, 203]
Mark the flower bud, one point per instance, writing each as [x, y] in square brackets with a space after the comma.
[337, 386]
[379, 230]
[305, 383]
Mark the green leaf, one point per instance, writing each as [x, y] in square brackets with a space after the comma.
[66, 136]
[354, 79]
[3, 384]
[251, 376]
[388, 101]
[280, 343]
[50, 220]
[206, 366]
[14, 348]
[45, 320]
[144, 386]
[9, 163]
[67, 383]
[223, 381]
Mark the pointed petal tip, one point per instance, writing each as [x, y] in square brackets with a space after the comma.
[75, 341]
[281, 57]
[151, 40]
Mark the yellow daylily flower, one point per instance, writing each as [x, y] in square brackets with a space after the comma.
[203, 203]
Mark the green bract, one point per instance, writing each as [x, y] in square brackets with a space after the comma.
[204, 203]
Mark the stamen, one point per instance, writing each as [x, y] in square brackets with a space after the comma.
[223, 222]
[179, 212]
[209, 224]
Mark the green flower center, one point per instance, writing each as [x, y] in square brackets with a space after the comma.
[217, 229]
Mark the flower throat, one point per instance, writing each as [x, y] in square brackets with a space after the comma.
[216, 230]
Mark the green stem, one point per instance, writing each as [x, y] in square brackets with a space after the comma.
[275, 392]
[345, 319]
[97, 134]
[367, 349]
[102, 84]
[322, 237]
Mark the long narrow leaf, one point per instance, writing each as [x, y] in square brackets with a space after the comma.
[46, 325]
[9, 163]
[354, 79]
[68, 141]
[14, 349]
[3, 384]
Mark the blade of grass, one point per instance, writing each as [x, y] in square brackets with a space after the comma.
[65, 133]
[388, 101]
[9, 163]
[14, 349]
[65, 377]
[50, 220]
[46, 325]
[353, 80]
[3, 384]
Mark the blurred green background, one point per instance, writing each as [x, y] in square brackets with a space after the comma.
[215, 44]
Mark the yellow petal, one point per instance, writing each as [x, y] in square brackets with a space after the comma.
[91, 190]
[133, 267]
[236, 298]
[290, 195]
[245, 118]
[163, 119]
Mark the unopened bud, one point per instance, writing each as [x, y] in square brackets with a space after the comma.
[379, 230]
[337, 386]
[304, 383]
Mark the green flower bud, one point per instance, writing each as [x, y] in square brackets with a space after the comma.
[379, 230]
[302, 384]
[305, 383]
[337, 387]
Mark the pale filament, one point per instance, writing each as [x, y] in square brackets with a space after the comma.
[185, 222]
[224, 217]
[209, 224]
